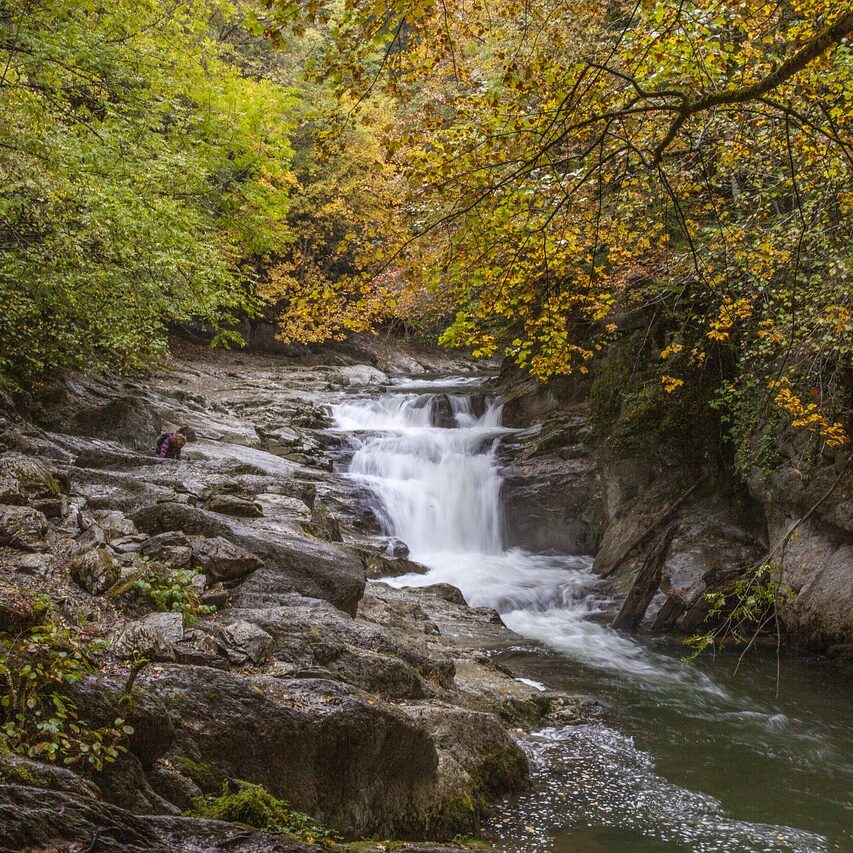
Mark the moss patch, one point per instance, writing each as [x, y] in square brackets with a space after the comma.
[461, 812]
[17, 774]
[631, 412]
[501, 770]
[207, 776]
[254, 806]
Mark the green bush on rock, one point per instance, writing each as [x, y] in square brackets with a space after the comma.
[172, 591]
[254, 806]
[39, 719]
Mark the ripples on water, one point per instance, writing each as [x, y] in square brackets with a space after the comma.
[594, 776]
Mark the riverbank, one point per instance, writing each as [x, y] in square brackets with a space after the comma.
[376, 711]
[670, 522]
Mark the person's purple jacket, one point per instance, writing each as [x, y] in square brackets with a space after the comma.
[168, 448]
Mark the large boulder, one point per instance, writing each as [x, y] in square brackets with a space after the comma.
[310, 567]
[171, 516]
[245, 642]
[23, 527]
[480, 745]
[173, 547]
[26, 481]
[348, 759]
[310, 634]
[95, 571]
[223, 560]
[240, 505]
[291, 564]
[127, 420]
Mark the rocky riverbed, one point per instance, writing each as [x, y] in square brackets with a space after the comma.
[377, 711]
[382, 712]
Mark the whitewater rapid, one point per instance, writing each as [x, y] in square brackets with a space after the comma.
[438, 489]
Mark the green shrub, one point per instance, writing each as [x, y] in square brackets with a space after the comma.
[172, 590]
[39, 719]
[254, 806]
[740, 613]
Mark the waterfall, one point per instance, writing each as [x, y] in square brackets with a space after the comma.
[430, 461]
[438, 488]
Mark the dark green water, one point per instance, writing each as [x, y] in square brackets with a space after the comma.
[690, 765]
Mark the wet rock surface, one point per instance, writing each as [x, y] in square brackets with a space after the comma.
[373, 709]
[552, 494]
[24, 528]
[351, 760]
[810, 522]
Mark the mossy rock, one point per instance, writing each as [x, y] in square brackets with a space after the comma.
[95, 571]
[21, 609]
[209, 778]
[15, 770]
[18, 774]
[253, 805]
[501, 770]
[630, 412]
[25, 481]
[460, 812]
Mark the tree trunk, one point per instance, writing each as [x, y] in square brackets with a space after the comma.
[645, 585]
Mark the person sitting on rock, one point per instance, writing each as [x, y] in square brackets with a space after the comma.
[169, 445]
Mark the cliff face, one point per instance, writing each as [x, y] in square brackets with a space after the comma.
[569, 488]
[810, 524]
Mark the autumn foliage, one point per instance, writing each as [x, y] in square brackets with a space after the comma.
[571, 169]
[535, 180]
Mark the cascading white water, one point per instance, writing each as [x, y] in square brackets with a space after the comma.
[439, 488]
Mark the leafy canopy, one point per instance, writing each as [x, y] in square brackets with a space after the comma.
[139, 168]
[574, 168]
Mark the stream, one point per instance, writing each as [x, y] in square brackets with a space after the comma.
[697, 760]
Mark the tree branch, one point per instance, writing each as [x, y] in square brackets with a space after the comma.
[832, 35]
